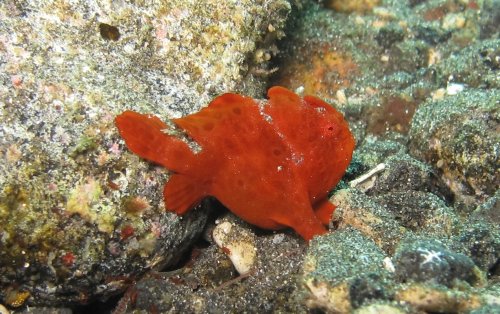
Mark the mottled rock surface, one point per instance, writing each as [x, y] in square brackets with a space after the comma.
[209, 282]
[459, 136]
[416, 227]
[428, 260]
[344, 270]
[80, 216]
[355, 209]
[418, 82]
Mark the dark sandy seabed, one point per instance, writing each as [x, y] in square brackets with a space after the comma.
[83, 227]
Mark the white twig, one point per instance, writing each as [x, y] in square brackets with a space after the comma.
[378, 168]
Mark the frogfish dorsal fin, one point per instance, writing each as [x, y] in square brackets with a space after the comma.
[215, 119]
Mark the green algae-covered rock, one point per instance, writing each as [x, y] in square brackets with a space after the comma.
[459, 136]
[80, 216]
[342, 271]
[428, 260]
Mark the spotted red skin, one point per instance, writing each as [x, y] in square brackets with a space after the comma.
[270, 162]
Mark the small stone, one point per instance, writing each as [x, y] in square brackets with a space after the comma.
[341, 97]
[3, 310]
[357, 6]
[109, 32]
[454, 88]
[453, 21]
[238, 244]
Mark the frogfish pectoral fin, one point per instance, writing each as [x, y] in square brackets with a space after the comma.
[181, 193]
[144, 136]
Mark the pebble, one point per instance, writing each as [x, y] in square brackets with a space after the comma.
[238, 243]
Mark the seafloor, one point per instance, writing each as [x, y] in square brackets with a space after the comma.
[83, 226]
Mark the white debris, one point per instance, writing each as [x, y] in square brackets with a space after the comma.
[454, 88]
[299, 90]
[239, 245]
[3, 310]
[370, 175]
[388, 265]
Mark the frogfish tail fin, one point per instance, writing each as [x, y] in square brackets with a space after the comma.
[181, 193]
[145, 136]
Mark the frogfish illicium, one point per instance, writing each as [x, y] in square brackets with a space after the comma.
[271, 162]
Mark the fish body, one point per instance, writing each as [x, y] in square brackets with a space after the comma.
[272, 163]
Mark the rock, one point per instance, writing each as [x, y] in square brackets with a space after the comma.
[432, 34]
[434, 278]
[438, 299]
[405, 173]
[430, 261]
[238, 243]
[358, 6]
[473, 66]
[489, 210]
[342, 271]
[370, 218]
[379, 308]
[487, 309]
[421, 212]
[481, 238]
[458, 136]
[46, 310]
[482, 242]
[81, 216]
[488, 21]
[390, 34]
[208, 282]
[373, 151]
[407, 56]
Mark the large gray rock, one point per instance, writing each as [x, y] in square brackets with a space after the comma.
[459, 136]
[80, 216]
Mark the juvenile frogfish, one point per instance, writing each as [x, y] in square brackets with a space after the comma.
[270, 162]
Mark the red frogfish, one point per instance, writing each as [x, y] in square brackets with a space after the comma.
[271, 163]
